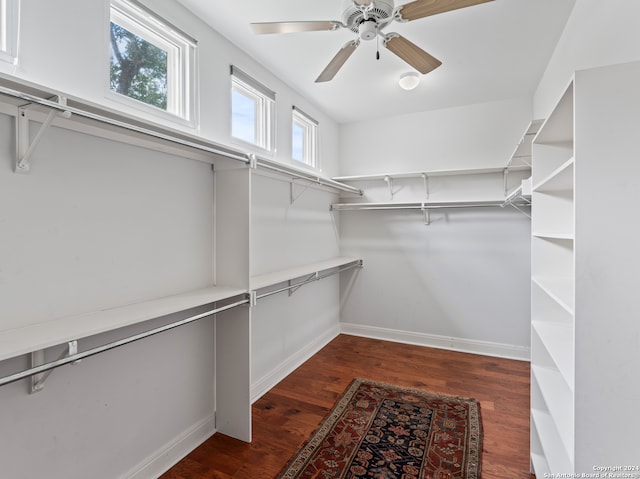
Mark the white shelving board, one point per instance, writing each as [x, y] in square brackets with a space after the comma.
[418, 174]
[559, 339]
[272, 278]
[559, 288]
[24, 340]
[560, 179]
[559, 399]
[556, 455]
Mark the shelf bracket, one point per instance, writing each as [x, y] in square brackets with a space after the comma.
[425, 179]
[37, 359]
[293, 288]
[292, 195]
[24, 146]
[505, 176]
[389, 182]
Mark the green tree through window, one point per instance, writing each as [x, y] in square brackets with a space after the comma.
[138, 68]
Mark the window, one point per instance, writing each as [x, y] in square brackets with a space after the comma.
[304, 146]
[9, 30]
[252, 111]
[151, 61]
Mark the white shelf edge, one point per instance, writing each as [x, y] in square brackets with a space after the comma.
[557, 457]
[558, 288]
[552, 334]
[554, 236]
[557, 172]
[18, 341]
[275, 277]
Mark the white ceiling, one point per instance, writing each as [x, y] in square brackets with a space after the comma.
[492, 51]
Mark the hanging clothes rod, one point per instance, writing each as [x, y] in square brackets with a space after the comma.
[208, 148]
[100, 349]
[316, 277]
[420, 206]
[295, 173]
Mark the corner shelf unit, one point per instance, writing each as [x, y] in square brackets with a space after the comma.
[585, 328]
[553, 315]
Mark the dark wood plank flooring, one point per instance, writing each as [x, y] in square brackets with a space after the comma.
[285, 417]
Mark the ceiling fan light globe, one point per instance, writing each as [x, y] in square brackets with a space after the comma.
[409, 80]
[368, 30]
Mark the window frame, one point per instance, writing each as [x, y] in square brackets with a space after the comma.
[9, 25]
[181, 60]
[310, 138]
[265, 110]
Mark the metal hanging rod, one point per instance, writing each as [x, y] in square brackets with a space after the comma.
[100, 349]
[209, 148]
[421, 206]
[316, 277]
[296, 173]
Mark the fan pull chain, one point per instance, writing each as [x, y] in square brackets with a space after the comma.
[378, 48]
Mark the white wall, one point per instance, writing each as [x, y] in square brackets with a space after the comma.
[597, 34]
[463, 281]
[481, 135]
[98, 224]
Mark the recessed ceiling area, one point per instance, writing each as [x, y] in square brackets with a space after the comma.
[489, 52]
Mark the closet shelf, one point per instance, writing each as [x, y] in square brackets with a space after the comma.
[266, 280]
[307, 176]
[424, 205]
[554, 450]
[559, 399]
[35, 337]
[554, 236]
[560, 179]
[420, 174]
[558, 340]
[558, 288]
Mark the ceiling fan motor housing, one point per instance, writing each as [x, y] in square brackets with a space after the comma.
[376, 18]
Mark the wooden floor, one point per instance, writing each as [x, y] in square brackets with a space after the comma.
[285, 417]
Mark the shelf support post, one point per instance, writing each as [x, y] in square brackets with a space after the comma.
[427, 214]
[425, 179]
[389, 182]
[505, 176]
[37, 359]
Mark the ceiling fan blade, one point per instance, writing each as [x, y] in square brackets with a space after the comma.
[293, 27]
[426, 8]
[336, 63]
[411, 53]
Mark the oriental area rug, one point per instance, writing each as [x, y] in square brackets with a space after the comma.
[380, 431]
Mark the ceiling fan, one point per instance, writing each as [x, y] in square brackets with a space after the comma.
[368, 19]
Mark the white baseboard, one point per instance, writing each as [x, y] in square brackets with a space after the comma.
[484, 348]
[166, 457]
[266, 382]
